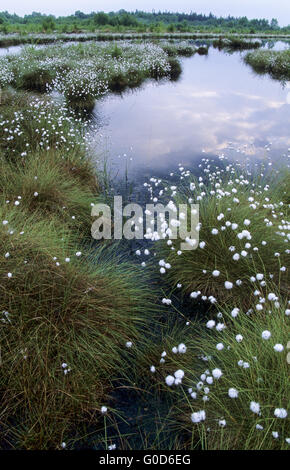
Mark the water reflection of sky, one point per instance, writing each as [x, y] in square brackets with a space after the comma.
[217, 101]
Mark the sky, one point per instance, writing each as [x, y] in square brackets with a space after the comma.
[279, 9]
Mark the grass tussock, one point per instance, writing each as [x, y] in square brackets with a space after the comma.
[66, 311]
[241, 234]
[55, 312]
[276, 63]
[234, 376]
[236, 43]
[84, 72]
[50, 186]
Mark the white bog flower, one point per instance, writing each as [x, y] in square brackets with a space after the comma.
[233, 393]
[239, 338]
[280, 413]
[228, 285]
[179, 374]
[169, 380]
[210, 324]
[215, 273]
[129, 344]
[104, 410]
[266, 334]
[182, 348]
[198, 416]
[217, 373]
[235, 312]
[278, 347]
[255, 407]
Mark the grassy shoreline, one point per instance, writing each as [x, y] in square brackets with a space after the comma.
[68, 309]
[85, 72]
[275, 63]
[34, 39]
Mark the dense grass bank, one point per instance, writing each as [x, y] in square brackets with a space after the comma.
[276, 63]
[226, 379]
[67, 310]
[224, 363]
[85, 72]
[241, 234]
[236, 43]
[33, 39]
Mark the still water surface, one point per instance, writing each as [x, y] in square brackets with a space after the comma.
[219, 105]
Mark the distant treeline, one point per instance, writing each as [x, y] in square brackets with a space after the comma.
[139, 20]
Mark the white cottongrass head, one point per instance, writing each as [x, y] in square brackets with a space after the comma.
[198, 416]
[280, 413]
[228, 285]
[266, 334]
[170, 380]
[217, 373]
[255, 407]
[233, 393]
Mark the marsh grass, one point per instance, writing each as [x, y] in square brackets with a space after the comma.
[80, 313]
[265, 382]
[30, 123]
[236, 43]
[276, 63]
[194, 268]
[38, 79]
[67, 309]
[50, 186]
[85, 72]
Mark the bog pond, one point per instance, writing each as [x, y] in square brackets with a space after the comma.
[218, 105]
